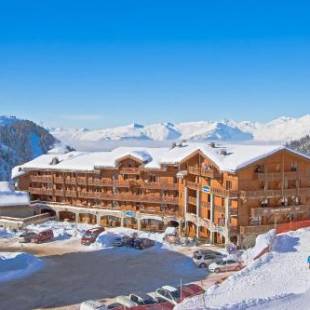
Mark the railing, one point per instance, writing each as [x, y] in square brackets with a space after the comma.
[205, 172]
[271, 193]
[59, 180]
[129, 170]
[290, 175]
[81, 180]
[59, 192]
[41, 179]
[224, 193]
[70, 181]
[267, 211]
[192, 200]
[92, 195]
[41, 191]
[140, 198]
[70, 193]
[192, 185]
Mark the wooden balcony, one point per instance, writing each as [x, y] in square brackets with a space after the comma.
[219, 209]
[59, 180]
[70, 193]
[140, 198]
[224, 193]
[192, 200]
[277, 176]
[89, 195]
[192, 185]
[81, 180]
[267, 211]
[41, 179]
[205, 172]
[129, 170]
[273, 193]
[40, 191]
[71, 181]
[59, 192]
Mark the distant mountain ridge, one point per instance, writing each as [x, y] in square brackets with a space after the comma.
[282, 129]
[21, 141]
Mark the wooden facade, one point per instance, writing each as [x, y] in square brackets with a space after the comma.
[205, 202]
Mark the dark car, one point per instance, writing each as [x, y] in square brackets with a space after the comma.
[91, 235]
[197, 254]
[143, 243]
[43, 236]
[26, 237]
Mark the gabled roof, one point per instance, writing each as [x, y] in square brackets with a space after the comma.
[226, 157]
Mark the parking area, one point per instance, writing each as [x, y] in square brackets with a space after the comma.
[72, 278]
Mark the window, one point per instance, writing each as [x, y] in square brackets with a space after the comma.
[228, 185]
[294, 166]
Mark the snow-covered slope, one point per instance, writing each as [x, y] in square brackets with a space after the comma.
[282, 129]
[278, 280]
[21, 141]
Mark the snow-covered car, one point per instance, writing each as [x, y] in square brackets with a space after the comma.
[92, 305]
[91, 235]
[225, 265]
[201, 252]
[26, 237]
[129, 301]
[176, 295]
[118, 242]
[143, 243]
[43, 236]
[204, 260]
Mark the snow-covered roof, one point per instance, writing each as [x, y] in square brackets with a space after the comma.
[9, 197]
[226, 157]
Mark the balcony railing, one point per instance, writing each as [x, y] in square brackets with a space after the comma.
[59, 192]
[71, 181]
[192, 185]
[81, 180]
[267, 211]
[40, 191]
[289, 175]
[205, 172]
[273, 193]
[41, 179]
[224, 193]
[70, 193]
[192, 200]
[59, 180]
[129, 170]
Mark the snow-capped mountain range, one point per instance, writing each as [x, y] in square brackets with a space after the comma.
[282, 129]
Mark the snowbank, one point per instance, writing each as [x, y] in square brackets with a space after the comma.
[61, 230]
[277, 275]
[17, 265]
[6, 233]
[263, 244]
[106, 238]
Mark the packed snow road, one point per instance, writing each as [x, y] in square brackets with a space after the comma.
[72, 278]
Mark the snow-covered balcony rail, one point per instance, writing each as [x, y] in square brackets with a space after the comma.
[274, 193]
[267, 211]
[41, 179]
[289, 175]
[41, 191]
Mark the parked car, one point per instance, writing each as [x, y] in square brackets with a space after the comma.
[92, 305]
[118, 242]
[176, 295]
[143, 243]
[26, 237]
[43, 236]
[129, 301]
[91, 235]
[201, 252]
[225, 265]
[204, 260]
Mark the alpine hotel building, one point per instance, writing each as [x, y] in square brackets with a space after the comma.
[218, 193]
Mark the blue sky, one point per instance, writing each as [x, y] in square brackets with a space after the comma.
[106, 63]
